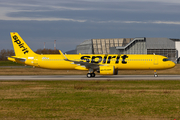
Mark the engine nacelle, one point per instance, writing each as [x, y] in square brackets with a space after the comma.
[107, 70]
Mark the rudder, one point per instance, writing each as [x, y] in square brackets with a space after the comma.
[20, 47]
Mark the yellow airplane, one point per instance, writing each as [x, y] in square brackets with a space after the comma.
[104, 64]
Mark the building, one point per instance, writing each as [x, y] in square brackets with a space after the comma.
[159, 46]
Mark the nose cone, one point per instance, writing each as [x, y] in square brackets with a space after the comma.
[173, 64]
[170, 64]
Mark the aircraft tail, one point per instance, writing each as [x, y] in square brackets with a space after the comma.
[20, 47]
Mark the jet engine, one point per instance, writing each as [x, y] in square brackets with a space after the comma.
[108, 70]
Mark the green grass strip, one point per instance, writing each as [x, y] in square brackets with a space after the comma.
[90, 100]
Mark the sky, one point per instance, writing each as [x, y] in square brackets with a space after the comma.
[71, 22]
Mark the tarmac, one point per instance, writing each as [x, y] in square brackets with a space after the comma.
[83, 77]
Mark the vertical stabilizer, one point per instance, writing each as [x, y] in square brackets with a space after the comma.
[20, 47]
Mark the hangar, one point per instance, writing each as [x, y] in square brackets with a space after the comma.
[160, 46]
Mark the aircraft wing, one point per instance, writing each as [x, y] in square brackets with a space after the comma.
[85, 64]
[81, 63]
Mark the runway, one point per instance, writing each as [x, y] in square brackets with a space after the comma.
[83, 77]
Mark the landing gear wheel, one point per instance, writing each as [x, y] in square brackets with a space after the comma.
[93, 74]
[155, 75]
[89, 75]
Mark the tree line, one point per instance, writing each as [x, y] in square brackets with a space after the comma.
[4, 53]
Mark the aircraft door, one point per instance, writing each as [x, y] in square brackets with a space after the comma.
[35, 61]
[155, 60]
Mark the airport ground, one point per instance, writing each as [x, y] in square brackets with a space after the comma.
[89, 99]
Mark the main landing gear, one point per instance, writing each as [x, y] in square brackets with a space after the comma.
[155, 73]
[89, 75]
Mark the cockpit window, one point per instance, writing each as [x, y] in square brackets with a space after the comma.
[165, 59]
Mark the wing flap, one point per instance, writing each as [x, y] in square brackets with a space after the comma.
[84, 64]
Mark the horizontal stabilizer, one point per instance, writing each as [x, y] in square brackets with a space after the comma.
[17, 58]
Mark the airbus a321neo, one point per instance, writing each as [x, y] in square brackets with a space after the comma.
[105, 64]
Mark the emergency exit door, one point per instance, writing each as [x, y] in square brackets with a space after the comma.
[35, 62]
[155, 60]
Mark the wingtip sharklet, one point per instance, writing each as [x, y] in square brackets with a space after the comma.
[64, 57]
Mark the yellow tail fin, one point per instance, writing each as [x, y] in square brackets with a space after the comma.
[20, 47]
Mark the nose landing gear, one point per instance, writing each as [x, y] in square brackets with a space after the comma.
[155, 73]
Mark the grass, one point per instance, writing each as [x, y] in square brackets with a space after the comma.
[81, 100]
